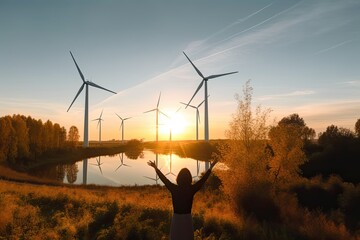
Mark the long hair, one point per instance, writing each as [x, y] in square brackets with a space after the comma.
[184, 177]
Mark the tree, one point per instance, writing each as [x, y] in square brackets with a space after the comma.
[22, 136]
[334, 135]
[8, 140]
[295, 120]
[245, 153]
[357, 128]
[286, 141]
[73, 136]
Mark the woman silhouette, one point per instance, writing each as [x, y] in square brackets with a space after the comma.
[182, 198]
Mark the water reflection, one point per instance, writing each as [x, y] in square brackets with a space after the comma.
[156, 179]
[170, 165]
[98, 163]
[121, 169]
[121, 155]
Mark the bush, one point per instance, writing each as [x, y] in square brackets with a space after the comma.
[258, 201]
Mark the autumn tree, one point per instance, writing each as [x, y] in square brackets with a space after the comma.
[73, 136]
[8, 146]
[287, 140]
[357, 128]
[22, 136]
[245, 153]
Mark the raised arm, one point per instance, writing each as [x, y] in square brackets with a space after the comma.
[198, 185]
[162, 177]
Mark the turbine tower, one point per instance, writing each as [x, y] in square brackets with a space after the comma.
[157, 116]
[204, 80]
[85, 84]
[197, 116]
[99, 125]
[171, 123]
[122, 126]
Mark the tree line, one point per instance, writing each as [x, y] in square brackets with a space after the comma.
[24, 139]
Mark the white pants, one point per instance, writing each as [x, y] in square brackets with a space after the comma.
[181, 227]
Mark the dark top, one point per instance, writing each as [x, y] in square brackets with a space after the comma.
[182, 196]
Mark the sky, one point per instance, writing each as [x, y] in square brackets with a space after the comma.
[301, 56]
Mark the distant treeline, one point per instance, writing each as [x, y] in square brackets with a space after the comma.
[23, 139]
[337, 151]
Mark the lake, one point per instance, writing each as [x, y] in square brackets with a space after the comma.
[122, 169]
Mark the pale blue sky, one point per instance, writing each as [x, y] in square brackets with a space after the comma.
[302, 56]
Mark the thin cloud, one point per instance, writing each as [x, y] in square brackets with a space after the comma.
[351, 83]
[285, 95]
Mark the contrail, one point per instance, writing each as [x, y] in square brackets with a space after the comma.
[253, 14]
[239, 21]
[246, 30]
[259, 24]
[332, 47]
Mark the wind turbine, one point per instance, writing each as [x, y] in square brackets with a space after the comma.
[99, 125]
[170, 159]
[204, 80]
[122, 126]
[197, 116]
[85, 84]
[122, 161]
[156, 175]
[86, 115]
[157, 116]
[98, 163]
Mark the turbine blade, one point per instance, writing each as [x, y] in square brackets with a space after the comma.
[188, 105]
[127, 118]
[81, 88]
[220, 75]
[150, 178]
[118, 116]
[151, 110]
[97, 86]
[158, 100]
[178, 109]
[164, 114]
[197, 70]
[81, 75]
[101, 113]
[200, 103]
[199, 87]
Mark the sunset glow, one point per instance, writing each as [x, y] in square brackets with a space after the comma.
[294, 65]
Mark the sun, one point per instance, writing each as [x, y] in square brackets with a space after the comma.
[175, 123]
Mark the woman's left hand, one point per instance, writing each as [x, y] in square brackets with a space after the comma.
[152, 164]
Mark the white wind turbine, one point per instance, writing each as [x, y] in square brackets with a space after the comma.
[122, 126]
[204, 80]
[99, 124]
[197, 116]
[86, 117]
[157, 116]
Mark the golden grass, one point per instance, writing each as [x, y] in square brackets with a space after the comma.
[54, 212]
